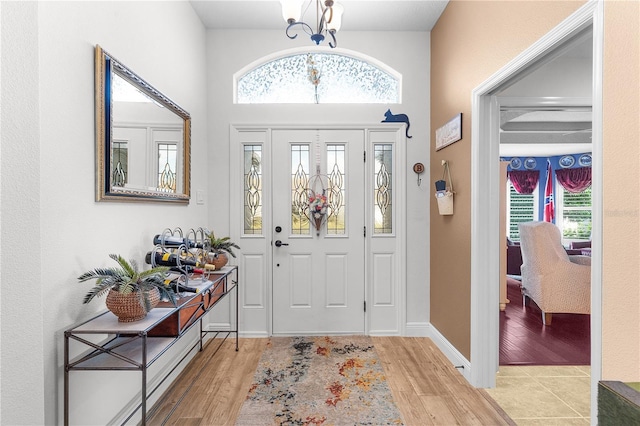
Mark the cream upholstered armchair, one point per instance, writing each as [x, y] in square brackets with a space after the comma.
[557, 282]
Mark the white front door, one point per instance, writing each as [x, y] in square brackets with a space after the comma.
[318, 268]
[318, 283]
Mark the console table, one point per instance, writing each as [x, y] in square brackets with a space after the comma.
[135, 346]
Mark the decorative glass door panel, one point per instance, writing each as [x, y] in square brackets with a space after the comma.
[383, 187]
[336, 189]
[252, 189]
[300, 189]
[120, 163]
[167, 166]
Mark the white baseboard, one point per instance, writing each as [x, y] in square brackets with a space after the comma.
[383, 333]
[453, 355]
[254, 334]
[417, 329]
[224, 327]
[187, 343]
[218, 326]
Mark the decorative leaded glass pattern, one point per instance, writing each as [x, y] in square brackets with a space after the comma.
[120, 163]
[317, 78]
[383, 178]
[253, 189]
[336, 195]
[167, 164]
[299, 189]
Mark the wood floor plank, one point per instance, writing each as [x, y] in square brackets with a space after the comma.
[188, 421]
[427, 389]
[524, 340]
[436, 410]
[219, 385]
[414, 412]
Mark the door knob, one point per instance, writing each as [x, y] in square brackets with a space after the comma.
[280, 243]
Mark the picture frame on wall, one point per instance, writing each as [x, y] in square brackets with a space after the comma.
[449, 133]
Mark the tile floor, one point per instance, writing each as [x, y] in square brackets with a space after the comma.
[544, 395]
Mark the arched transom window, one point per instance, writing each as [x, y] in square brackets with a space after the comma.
[318, 78]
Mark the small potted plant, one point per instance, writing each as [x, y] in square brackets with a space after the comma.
[220, 247]
[131, 294]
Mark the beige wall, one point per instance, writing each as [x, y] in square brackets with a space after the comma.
[471, 41]
[621, 275]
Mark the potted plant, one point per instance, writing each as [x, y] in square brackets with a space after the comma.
[130, 293]
[220, 247]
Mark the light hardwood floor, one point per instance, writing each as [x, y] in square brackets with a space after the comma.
[426, 387]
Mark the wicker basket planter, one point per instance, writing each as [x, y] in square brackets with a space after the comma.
[127, 307]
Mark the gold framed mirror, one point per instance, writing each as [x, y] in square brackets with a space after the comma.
[143, 139]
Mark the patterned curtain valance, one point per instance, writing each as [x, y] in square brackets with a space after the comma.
[574, 180]
[524, 181]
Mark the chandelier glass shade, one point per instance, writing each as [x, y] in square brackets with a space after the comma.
[328, 19]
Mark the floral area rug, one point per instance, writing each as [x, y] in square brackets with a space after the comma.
[319, 381]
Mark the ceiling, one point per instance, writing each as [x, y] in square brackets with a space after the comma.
[359, 15]
[543, 134]
[544, 126]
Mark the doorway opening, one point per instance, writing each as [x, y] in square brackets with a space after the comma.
[485, 195]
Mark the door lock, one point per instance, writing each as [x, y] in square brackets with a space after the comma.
[280, 243]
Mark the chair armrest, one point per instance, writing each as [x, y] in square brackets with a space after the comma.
[566, 289]
[580, 260]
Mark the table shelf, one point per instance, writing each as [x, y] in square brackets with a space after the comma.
[136, 345]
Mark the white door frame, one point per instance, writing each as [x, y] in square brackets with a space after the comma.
[261, 292]
[485, 205]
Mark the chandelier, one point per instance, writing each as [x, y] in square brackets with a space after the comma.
[328, 19]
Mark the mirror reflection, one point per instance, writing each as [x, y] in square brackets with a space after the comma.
[142, 140]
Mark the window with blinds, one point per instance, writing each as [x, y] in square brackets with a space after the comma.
[520, 208]
[573, 214]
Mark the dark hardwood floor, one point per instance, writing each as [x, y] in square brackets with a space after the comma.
[525, 341]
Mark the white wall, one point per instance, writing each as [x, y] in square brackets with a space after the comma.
[228, 51]
[52, 229]
[22, 351]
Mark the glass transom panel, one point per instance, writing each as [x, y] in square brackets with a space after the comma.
[317, 78]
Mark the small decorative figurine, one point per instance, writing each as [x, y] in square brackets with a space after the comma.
[403, 118]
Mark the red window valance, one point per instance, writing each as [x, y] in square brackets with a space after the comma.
[574, 180]
[524, 181]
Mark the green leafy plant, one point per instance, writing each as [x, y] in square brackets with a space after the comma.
[126, 278]
[220, 245]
